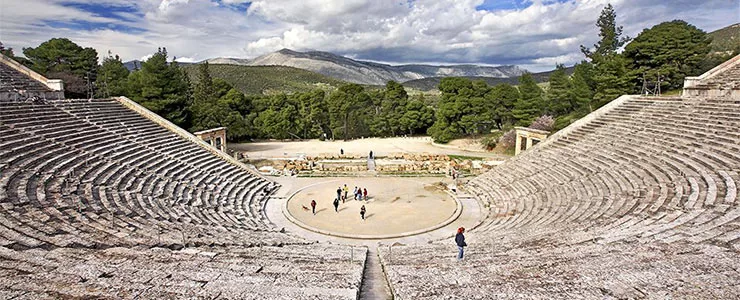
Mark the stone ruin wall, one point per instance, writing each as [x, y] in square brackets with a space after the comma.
[397, 163]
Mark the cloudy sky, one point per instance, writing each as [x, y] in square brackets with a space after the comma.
[535, 34]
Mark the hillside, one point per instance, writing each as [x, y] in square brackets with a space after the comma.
[429, 84]
[371, 73]
[266, 79]
[726, 39]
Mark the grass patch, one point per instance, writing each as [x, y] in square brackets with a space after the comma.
[465, 157]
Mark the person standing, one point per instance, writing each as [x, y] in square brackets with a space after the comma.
[371, 154]
[354, 193]
[341, 151]
[339, 192]
[313, 206]
[346, 190]
[336, 204]
[365, 192]
[362, 212]
[460, 241]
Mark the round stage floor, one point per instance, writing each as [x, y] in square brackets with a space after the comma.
[395, 207]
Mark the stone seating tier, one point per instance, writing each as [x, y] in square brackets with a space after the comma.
[649, 170]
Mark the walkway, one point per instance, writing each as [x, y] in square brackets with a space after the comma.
[374, 283]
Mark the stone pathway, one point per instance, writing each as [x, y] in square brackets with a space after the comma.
[374, 283]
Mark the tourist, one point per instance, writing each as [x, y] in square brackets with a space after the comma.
[354, 193]
[365, 192]
[336, 204]
[346, 190]
[460, 241]
[362, 212]
[371, 154]
[339, 192]
[341, 151]
[313, 206]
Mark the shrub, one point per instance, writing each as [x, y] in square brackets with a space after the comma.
[544, 122]
[508, 140]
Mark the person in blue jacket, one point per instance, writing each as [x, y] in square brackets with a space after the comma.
[460, 241]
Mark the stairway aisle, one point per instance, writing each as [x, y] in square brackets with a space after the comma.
[374, 283]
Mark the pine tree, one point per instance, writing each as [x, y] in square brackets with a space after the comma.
[580, 91]
[112, 78]
[560, 101]
[530, 102]
[610, 33]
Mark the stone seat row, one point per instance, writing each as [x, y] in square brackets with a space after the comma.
[110, 177]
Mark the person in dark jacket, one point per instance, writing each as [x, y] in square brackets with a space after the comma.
[339, 192]
[313, 206]
[336, 204]
[362, 212]
[460, 241]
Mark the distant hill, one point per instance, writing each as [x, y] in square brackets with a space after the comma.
[136, 64]
[357, 71]
[429, 84]
[257, 80]
[363, 72]
[726, 39]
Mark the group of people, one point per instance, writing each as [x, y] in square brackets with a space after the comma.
[358, 193]
[342, 193]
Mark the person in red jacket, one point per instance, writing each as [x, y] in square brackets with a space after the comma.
[364, 191]
[460, 241]
[313, 206]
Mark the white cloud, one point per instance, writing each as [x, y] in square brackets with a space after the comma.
[399, 31]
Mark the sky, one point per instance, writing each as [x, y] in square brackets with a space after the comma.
[533, 34]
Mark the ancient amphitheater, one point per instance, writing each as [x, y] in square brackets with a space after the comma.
[103, 199]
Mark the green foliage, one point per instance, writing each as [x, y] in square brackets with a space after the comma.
[162, 88]
[112, 78]
[559, 94]
[671, 50]
[530, 103]
[63, 59]
[259, 80]
[610, 34]
[502, 98]
[612, 79]
[464, 109]
[582, 87]
[348, 111]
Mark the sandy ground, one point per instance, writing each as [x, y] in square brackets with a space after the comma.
[395, 205]
[379, 146]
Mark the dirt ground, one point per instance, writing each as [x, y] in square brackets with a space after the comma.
[379, 146]
[394, 206]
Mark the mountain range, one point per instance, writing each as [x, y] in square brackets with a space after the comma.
[362, 72]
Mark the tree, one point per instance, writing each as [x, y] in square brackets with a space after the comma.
[530, 102]
[63, 59]
[162, 88]
[418, 117]
[347, 110]
[671, 50]
[314, 119]
[611, 78]
[112, 78]
[581, 89]
[389, 108]
[610, 33]
[503, 97]
[560, 100]
[462, 109]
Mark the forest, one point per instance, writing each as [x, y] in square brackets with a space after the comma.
[658, 58]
